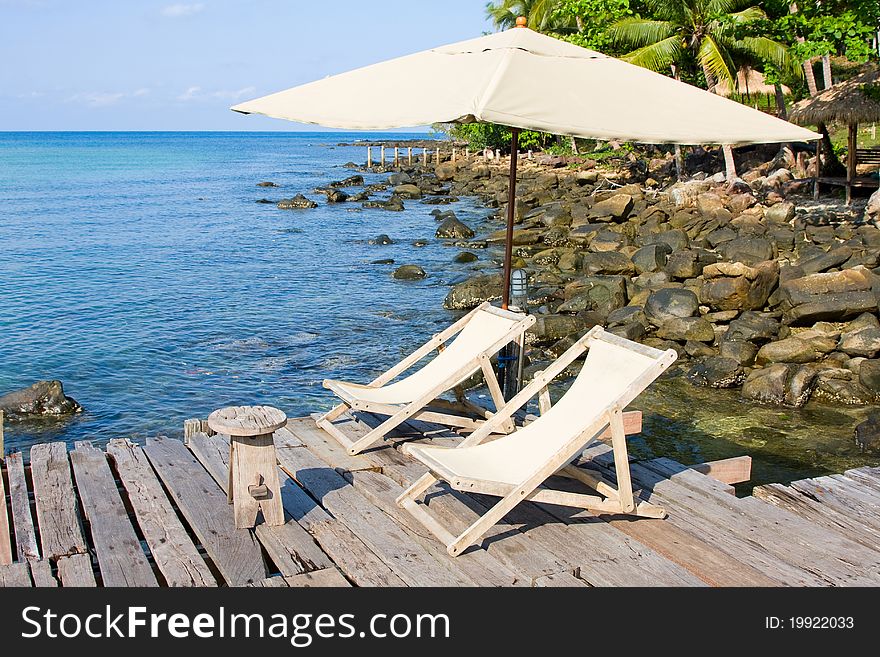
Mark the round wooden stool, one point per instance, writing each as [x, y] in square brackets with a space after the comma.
[253, 470]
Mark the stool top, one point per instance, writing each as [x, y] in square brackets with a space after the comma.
[246, 420]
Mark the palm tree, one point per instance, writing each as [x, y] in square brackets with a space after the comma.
[704, 32]
[539, 13]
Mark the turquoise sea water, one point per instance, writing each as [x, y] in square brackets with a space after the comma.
[138, 269]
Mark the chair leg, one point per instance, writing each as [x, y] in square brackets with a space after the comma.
[333, 413]
[418, 487]
[495, 390]
[494, 515]
[621, 463]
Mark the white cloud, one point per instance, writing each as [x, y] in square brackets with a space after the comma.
[190, 94]
[96, 98]
[181, 10]
[104, 98]
[197, 93]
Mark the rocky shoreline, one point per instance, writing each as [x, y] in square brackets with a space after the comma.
[752, 283]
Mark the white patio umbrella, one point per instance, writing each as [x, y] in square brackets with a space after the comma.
[525, 80]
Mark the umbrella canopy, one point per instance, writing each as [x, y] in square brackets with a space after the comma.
[852, 101]
[748, 81]
[527, 80]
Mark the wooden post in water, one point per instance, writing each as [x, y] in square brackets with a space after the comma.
[453, 154]
[369, 157]
[382, 156]
[438, 156]
[425, 156]
[409, 155]
[396, 156]
[2, 446]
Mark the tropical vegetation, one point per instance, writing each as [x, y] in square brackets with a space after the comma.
[804, 45]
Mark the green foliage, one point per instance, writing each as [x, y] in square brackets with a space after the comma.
[491, 135]
[711, 36]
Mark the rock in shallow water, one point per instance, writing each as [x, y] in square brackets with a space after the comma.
[670, 303]
[409, 273]
[717, 372]
[44, 398]
[298, 202]
[474, 291]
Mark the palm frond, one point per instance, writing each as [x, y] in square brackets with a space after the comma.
[765, 49]
[638, 32]
[747, 15]
[715, 61]
[659, 56]
[669, 10]
[715, 8]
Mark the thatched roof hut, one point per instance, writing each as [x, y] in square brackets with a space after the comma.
[852, 101]
[748, 82]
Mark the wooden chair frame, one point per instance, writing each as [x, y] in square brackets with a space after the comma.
[610, 499]
[428, 407]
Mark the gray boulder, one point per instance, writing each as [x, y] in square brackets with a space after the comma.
[298, 202]
[682, 329]
[670, 303]
[716, 372]
[42, 399]
[455, 229]
[409, 273]
[617, 207]
[651, 258]
[474, 291]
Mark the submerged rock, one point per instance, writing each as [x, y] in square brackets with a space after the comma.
[717, 372]
[351, 181]
[409, 273]
[867, 434]
[381, 240]
[298, 202]
[43, 398]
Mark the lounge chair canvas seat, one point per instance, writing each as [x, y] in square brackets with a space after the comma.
[516, 466]
[480, 334]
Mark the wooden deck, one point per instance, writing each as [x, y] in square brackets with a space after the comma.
[158, 516]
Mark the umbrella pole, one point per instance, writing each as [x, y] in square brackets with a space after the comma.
[510, 354]
[511, 216]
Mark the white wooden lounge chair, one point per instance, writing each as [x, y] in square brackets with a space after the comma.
[481, 333]
[515, 466]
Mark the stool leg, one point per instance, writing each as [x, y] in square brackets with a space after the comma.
[256, 468]
[231, 469]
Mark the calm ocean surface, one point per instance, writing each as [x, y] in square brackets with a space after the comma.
[138, 269]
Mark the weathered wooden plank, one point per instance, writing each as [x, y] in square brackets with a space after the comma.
[701, 516]
[734, 470]
[5, 536]
[176, 557]
[350, 554]
[600, 554]
[557, 580]
[673, 470]
[478, 565]
[327, 577]
[699, 556]
[291, 548]
[840, 498]
[864, 477]
[821, 514]
[41, 574]
[22, 520]
[801, 559]
[325, 447]
[408, 559]
[61, 533]
[121, 559]
[205, 507]
[15, 575]
[76, 571]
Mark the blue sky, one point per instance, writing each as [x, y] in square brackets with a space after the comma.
[167, 65]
